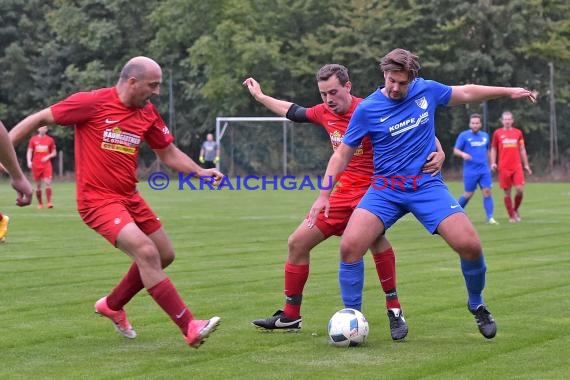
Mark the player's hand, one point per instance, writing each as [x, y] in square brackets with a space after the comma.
[45, 159]
[321, 203]
[434, 163]
[527, 168]
[518, 93]
[253, 87]
[213, 176]
[24, 190]
[493, 167]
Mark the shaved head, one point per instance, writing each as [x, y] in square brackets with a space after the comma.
[138, 67]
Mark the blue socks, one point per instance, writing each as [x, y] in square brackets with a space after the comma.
[488, 205]
[462, 201]
[351, 280]
[474, 274]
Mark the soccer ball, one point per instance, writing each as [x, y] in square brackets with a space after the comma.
[347, 328]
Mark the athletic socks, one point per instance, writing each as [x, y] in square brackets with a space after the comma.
[48, 194]
[129, 286]
[509, 206]
[386, 270]
[351, 279]
[39, 196]
[474, 274]
[295, 279]
[462, 201]
[518, 200]
[489, 206]
[169, 300]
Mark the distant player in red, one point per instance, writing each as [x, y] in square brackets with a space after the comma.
[41, 150]
[333, 115]
[110, 125]
[508, 143]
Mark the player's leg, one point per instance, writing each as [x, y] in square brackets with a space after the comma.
[361, 232]
[518, 182]
[385, 261]
[47, 176]
[469, 187]
[438, 211]
[145, 254]
[486, 183]
[506, 183]
[296, 274]
[37, 173]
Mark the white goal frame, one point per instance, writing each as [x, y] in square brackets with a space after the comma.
[222, 124]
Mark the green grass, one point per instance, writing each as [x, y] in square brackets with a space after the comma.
[231, 247]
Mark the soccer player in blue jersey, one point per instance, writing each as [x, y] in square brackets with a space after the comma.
[399, 119]
[473, 147]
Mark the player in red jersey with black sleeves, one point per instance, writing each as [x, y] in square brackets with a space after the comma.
[110, 125]
[508, 142]
[41, 149]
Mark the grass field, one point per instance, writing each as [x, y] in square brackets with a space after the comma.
[231, 247]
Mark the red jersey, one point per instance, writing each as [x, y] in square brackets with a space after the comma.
[41, 147]
[507, 142]
[107, 141]
[361, 166]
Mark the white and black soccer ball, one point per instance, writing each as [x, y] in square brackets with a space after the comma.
[347, 328]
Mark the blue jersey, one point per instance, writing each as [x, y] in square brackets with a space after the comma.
[476, 145]
[402, 131]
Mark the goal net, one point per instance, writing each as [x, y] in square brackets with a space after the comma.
[271, 146]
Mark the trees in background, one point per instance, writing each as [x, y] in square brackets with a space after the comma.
[51, 48]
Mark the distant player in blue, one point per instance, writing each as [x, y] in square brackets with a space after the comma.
[473, 147]
[399, 119]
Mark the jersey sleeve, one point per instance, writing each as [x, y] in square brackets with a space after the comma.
[440, 91]
[75, 109]
[315, 114]
[158, 136]
[357, 129]
[460, 142]
[521, 138]
[31, 143]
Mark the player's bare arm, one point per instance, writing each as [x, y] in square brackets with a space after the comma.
[30, 124]
[179, 161]
[461, 154]
[435, 160]
[337, 163]
[277, 106]
[9, 162]
[524, 159]
[472, 93]
[493, 158]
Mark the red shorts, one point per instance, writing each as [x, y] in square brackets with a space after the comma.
[510, 178]
[342, 204]
[40, 171]
[110, 218]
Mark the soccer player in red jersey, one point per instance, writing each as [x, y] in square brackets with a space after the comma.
[41, 149]
[9, 163]
[508, 143]
[333, 115]
[110, 125]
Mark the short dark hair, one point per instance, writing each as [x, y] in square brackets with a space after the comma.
[331, 69]
[475, 115]
[401, 60]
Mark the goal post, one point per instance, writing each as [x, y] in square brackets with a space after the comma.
[270, 146]
[222, 124]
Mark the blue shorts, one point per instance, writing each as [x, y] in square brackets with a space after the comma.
[472, 179]
[430, 203]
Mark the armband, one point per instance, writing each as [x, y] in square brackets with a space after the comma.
[297, 114]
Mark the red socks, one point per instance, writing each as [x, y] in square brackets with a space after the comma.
[169, 300]
[39, 196]
[48, 194]
[386, 269]
[509, 206]
[130, 285]
[518, 200]
[295, 279]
